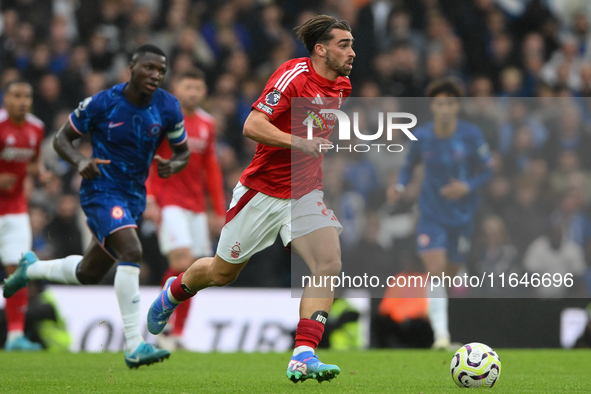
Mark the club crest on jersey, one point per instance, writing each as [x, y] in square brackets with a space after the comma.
[117, 212]
[423, 240]
[273, 98]
[235, 253]
[155, 130]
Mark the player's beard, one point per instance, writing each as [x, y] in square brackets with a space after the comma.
[341, 69]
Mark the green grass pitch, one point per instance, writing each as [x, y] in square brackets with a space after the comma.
[376, 371]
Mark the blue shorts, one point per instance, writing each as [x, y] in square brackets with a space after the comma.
[107, 211]
[454, 239]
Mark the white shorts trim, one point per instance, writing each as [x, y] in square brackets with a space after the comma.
[182, 228]
[16, 237]
[256, 226]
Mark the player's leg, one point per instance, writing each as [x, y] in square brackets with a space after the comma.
[435, 263]
[432, 240]
[127, 247]
[315, 233]
[177, 240]
[74, 269]
[203, 273]
[15, 238]
[254, 222]
[321, 251]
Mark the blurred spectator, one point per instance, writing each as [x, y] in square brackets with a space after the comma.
[63, 233]
[569, 134]
[565, 65]
[525, 216]
[494, 251]
[48, 100]
[519, 116]
[569, 174]
[553, 253]
[40, 241]
[223, 34]
[577, 225]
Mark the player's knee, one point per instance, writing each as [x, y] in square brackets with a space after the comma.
[88, 276]
[132, 254]
[329, 266]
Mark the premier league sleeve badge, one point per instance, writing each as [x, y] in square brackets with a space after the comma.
[273, 98]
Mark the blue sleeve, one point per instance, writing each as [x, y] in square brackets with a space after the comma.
[175, 132]
[82, 118]
[483, 161]
[412, 160]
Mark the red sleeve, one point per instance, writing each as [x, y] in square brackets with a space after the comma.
[214, 181]
[281, 87]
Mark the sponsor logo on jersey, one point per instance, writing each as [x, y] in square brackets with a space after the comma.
[17, 154]
[117, 212]
[265, 108]
[273, 98]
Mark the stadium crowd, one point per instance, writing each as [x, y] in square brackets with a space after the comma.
[525, 65]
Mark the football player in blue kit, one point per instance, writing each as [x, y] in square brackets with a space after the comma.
[126, 125]
[457, 162]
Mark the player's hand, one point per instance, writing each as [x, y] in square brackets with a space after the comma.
[88, 168]
[315, 147]
[164, 166]
[393, 194]
[7, 180]
[454, 190]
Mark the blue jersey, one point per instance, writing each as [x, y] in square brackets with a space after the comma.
[128, 135]
[464, 156]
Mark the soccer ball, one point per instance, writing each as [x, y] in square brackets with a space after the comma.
[475, 365]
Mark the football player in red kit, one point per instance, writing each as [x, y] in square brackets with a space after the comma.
[183, 232]
[270, 200]
[21, 134]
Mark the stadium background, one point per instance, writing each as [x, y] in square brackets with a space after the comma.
[71, 49]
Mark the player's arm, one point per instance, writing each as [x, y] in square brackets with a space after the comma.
[63, 143]
[178, 161]
[413, 159]
[7, 180]
[258, 127]
[482, 160]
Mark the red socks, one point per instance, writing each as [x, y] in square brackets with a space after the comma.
[15, 310]
[180, 317]
[180, 292]
[308, 333]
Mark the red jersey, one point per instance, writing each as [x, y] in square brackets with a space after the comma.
[186, 188]
[270, 171]
[19, 145]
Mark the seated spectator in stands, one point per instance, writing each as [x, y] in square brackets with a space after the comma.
[525, 217]
[494, 252]
[553, 253]
[576, 223]
[519, 115]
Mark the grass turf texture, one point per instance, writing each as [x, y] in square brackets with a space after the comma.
[380, 371]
